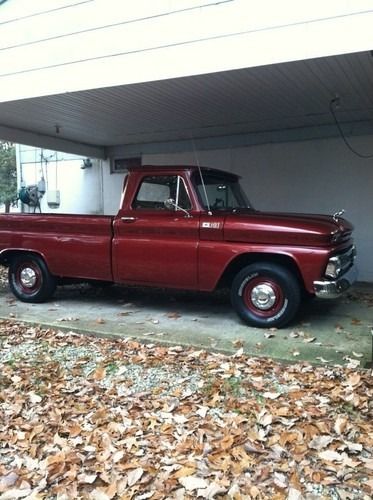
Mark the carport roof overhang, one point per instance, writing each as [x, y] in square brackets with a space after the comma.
[144, 78]
[271, 103]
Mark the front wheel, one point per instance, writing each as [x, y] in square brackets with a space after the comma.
[30, 279]
[265, 295]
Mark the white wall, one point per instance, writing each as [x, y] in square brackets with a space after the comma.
[80, 190]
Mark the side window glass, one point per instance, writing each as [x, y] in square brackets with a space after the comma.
[156, 189]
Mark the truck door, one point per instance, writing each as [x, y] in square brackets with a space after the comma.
[154, 242]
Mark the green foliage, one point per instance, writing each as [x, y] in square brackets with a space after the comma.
[8, 174]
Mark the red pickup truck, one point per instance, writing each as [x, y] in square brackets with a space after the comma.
[186, 228]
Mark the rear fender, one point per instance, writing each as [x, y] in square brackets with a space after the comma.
[8, 254]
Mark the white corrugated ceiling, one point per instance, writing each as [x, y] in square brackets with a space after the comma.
[288, 96]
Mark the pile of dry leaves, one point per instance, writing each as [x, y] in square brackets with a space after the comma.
[101, 419]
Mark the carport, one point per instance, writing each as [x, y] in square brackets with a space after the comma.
[265, 90]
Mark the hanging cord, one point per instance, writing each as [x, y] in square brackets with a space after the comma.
[56, 171]
[333, 103]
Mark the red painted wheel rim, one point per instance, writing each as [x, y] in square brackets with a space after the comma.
[258, 288]
[28, 278]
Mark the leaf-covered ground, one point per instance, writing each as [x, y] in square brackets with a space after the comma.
[82, 417]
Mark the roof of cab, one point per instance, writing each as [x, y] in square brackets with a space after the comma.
[178, 168]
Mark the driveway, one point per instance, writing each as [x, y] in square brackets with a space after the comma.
[324, 331]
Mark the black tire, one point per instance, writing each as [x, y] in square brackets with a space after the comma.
[266, 295]
[30, 279]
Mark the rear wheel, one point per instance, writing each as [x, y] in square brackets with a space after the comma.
[265, 295]
[30, 279]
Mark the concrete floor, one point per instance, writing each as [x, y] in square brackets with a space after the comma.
[324, 330]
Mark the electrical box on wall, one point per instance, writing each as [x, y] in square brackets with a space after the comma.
[53, 199]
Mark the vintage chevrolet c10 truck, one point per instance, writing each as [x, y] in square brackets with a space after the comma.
[186, 228]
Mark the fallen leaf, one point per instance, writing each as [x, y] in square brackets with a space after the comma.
[308, 340]
[357, 354]
[353, 447]
[192, 483]
[356, 321]
[184, 472]
[322, 360]
[117, 456]
[202, 411]
[368, 463]
[280, 480]
[212, 490]
[7, 481]
[238, 343]
[99, 373]
[349, 462]
[87, 478]
[173, 315]
[271, 395]
[340, 424]
[320, 442]
[134, 476]
[98, 494]
[264, 418]
[369, 484]
[238, 353]
[294, 494]
[13, 494]
[34, 398]
[352, 363]
[331, 456]
[353, 379]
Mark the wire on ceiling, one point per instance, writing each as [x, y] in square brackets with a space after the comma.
[332, 107]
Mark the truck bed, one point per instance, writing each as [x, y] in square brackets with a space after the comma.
[76, 246]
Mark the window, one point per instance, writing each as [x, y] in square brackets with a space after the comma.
[118, 165]
[156, 189]
[223, 191]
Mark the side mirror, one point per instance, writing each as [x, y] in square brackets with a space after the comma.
[170, 204]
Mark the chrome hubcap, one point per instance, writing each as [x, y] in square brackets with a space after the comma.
[263, 297]
[28, 277]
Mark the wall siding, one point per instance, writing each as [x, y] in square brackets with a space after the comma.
[52, 47]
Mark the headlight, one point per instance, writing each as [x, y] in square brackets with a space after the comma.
[333, 267]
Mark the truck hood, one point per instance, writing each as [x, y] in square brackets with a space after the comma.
[286, 228]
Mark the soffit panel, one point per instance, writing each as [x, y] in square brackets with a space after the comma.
[275, 97]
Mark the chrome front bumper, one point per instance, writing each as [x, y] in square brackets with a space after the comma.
[331, 289]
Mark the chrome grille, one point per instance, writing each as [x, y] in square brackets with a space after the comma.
[347, 258]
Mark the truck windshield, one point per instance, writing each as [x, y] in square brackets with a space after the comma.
[223, 191]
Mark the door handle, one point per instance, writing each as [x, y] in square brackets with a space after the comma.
[128, 219]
